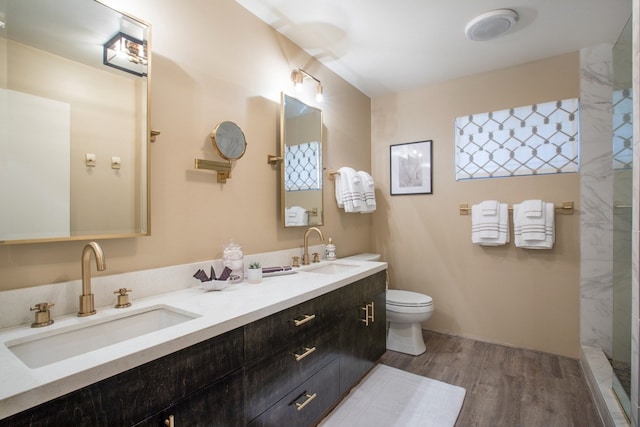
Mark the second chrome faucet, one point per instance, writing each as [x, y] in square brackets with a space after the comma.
[87, 305]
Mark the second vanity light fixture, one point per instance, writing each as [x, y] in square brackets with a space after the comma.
[298, 76]
[126, 53]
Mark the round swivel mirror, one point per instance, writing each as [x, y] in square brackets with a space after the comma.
[228, 141]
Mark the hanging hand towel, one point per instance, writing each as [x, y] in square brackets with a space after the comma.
[490, 230]
[489, 207]
[369, 192]
[534, 232]
[296, 215]
[338, 189]
[349, 194]
[532, 208]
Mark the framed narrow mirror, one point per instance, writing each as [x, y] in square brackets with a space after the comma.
[301, 168]
[74, 121]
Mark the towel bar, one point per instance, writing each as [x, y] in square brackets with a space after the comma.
[565, 208]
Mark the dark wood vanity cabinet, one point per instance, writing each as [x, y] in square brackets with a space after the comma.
[133, 395]
[348, 335]
[289, 368]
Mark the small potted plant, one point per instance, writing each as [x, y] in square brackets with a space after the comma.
[254, 272]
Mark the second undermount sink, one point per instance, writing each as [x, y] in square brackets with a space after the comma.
[330, 268]
[53, 346]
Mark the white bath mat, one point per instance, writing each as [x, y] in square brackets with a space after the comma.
[389, 397]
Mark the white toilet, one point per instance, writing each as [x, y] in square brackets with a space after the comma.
[406, 311]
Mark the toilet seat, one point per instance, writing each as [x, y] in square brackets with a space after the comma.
[408, 302]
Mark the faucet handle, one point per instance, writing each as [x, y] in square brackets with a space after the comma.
[123, 298]
[316, 257]
[295, 261]
[41, 307]
[43, 315]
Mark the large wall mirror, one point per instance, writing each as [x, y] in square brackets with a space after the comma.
[301, 168]
[73, 121]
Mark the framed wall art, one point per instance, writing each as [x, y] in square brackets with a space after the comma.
[411, 170]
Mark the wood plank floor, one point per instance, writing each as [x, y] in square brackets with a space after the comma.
[506, 387]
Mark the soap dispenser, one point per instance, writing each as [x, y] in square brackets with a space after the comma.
[330, 250]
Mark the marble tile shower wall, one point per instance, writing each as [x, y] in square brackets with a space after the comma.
[596, 177]
[596, 188]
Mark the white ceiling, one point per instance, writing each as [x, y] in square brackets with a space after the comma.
[387, 46]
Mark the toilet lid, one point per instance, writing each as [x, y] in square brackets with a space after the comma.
[407, 298]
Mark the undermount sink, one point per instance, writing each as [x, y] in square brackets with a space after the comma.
[53, 346]
[331, 268]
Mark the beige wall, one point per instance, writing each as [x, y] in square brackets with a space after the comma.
[524, 298]
[214, 61]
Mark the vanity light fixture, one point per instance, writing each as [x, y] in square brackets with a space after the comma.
[298, 76]
[491, 25]
[126, 53]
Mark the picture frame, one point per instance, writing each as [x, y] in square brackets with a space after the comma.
[411, 169]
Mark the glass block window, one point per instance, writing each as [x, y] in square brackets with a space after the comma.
[303, 170]
[622, 129]
[536, 139]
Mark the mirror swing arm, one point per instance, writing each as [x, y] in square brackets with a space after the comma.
[223, 169]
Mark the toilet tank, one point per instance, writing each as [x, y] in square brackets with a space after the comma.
[365, 257]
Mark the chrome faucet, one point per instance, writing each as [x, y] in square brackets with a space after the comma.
[305, 255]
[87, 306]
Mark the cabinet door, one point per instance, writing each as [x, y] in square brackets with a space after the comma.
[307, 404]
[218, 405]
[363, 339]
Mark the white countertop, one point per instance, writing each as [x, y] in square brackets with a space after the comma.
[22, 387]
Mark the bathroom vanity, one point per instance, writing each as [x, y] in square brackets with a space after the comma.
[287, 349]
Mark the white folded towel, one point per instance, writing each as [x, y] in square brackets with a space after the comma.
[532, 232]
[489, 207]
[532, 208]
[296, 215]
[490, 230]
[352, 198]
[338, 189]
[369, 192]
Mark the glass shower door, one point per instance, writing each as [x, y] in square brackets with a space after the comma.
[622, 219]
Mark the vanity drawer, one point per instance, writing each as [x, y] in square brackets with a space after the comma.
[217, 405]
[307, 404]
[268, 379]
[280, 329]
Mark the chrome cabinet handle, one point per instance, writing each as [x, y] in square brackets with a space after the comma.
[307, 351]
[306, 318]
[309, 397]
